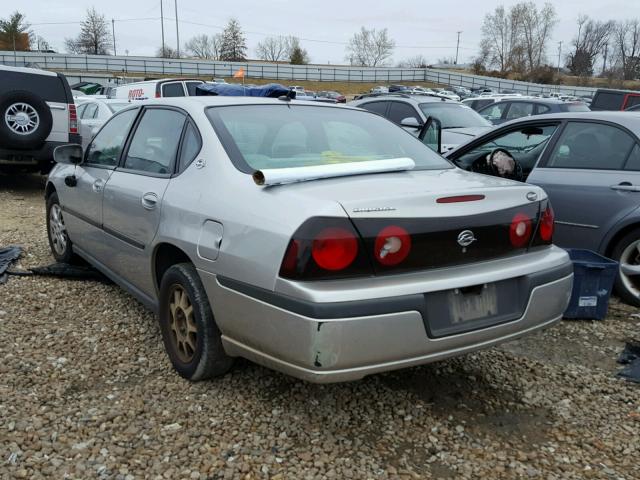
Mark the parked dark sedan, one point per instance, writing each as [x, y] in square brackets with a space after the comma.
[338, 97]
[512, 108]
[589, 165]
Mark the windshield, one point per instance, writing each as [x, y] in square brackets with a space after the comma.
[454, 115]
[284, 136]
[116, 107]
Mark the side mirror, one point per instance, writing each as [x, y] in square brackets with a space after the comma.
[431, 134]
[410, 122]
[70, 154]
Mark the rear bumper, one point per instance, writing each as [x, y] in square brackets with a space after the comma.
[349, 340]
[39, 157]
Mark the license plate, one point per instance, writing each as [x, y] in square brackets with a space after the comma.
[471, 304]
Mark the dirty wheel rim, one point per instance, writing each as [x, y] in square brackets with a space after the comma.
[630, 268]
[22, 118]
[57, 230]
[182, 324]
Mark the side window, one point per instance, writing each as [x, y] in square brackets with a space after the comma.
[399, 111]
[107, 145]
[540, 109]
[632, 100]
[519, 110]
[633, 162]
[173, 89]
[525, 145]
[591, 146]
[376, 107]
[495, 111]
[90, 112]
[80, 110]
[191, 145]
[191, 87]
[155, 142]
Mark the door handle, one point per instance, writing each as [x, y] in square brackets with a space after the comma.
[149, 200]
[625, 187]
[98, 185]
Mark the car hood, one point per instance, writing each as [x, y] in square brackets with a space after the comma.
[411, 193]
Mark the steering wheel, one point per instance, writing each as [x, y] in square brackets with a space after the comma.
[499, 163]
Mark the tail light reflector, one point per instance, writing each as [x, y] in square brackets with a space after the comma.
[392, 245]
[520, 230]
[546, 224]
[334, 248]
[73, 119]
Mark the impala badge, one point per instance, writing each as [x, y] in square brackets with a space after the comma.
[466, 238]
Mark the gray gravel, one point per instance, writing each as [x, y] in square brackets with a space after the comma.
[86, 391]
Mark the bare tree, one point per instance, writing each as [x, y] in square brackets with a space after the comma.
[370, 48]
[274, 49]
[94, 37]
[204, 46]
[626, 39]
[537, 27]
[168, 52]
[501, 44]
[417, 61]
[590, 42]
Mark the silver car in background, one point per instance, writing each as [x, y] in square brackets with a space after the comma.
[320, 241]
[93, 113]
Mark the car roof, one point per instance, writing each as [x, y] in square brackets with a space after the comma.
[414, 98]
[630, 120]
[219, 100]
[33, 71]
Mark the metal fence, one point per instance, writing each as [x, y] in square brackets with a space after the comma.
[151, 66]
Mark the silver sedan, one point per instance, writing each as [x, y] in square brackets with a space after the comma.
[321, 241]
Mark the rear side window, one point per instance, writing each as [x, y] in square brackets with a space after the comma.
[540, 109]
[191, 145]
[495, 111]
[633, 162]
[607, 101]
[191, 87]
[90, 111]
[591, 146]
[519, 110]
[172, 89]
[107, 145]
[376, 107]
[577, 107]
[632, 100]
[155, 142]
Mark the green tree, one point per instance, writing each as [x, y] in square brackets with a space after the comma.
[297, 54]
[233, 47]
[15, 32]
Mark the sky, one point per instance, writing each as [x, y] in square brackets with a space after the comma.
[426, 27]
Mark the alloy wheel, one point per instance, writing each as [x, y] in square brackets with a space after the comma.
[182, 324]
[630, 268]
[57, 229]
[22, 118]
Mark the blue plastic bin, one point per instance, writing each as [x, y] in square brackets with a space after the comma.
[593, 277]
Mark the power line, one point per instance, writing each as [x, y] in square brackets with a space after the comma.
[78, 22]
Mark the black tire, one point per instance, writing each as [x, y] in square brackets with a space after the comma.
[31, 140]
[621, 287]
[208, 359]
[59, 242]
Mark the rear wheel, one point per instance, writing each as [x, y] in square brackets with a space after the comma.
[189, 331]
[627, 253]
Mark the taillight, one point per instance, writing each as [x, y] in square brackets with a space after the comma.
[73, 119]
[325, 248]
[334, 248]
[157, 94]
[546, 224]
[520, 230]
[392, 245]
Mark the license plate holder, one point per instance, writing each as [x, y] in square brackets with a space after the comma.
[472, 303]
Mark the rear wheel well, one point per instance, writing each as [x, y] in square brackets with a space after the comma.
[616, 238]
[166, 256]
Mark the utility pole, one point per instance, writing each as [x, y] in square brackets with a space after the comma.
[113, 34]
[162, 26]
[457, 47]
[559, 54]
[604, 63]
[175, 2]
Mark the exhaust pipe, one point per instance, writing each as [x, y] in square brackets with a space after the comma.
[280, 176]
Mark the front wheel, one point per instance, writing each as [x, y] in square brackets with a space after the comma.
[627, 253]
[189, 331]
[57, 231]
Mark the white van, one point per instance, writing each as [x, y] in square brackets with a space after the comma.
[166, 87]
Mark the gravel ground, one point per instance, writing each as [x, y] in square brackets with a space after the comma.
[86, 391]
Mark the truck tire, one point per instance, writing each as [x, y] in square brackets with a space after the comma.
[25, 120]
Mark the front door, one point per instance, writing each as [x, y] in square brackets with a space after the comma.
[132, 205]
[82, 202]
[592, 179]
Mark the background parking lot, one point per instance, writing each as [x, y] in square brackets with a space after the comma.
[86, 391]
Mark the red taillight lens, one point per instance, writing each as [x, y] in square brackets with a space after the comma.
[392, 245]
[334, 248]
[157, 94]
[73, 119]
[520, 230]
[546, 224]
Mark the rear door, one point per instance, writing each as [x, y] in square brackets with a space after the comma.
[592, 176]
[133, 195]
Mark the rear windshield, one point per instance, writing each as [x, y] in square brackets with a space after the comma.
[284, 136]
[454, 115]
[577, 107]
